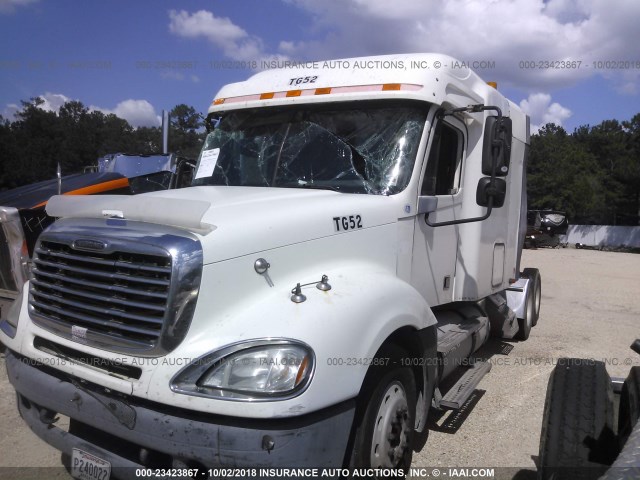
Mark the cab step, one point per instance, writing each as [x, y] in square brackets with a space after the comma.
[456, 397]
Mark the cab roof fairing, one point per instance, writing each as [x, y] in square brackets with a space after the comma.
[450, 85]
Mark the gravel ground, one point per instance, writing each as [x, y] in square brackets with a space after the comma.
[590, 309]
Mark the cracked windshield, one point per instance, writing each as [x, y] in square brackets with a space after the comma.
[362, 149]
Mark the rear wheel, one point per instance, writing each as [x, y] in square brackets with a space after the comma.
[384, 433]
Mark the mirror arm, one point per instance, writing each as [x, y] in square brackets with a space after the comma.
[470, 109]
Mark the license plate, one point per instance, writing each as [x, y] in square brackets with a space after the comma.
[86, 466]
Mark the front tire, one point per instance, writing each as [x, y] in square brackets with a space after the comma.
[384, 434]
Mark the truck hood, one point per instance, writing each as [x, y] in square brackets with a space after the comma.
[237, 221]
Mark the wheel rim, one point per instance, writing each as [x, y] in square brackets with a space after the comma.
[391, 430]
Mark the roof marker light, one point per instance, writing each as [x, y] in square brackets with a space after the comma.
[378, 87]
[493, 84]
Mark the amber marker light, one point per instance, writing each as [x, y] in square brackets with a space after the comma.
[302, 371]
[390, 86]
[266, 96]
[294, 93]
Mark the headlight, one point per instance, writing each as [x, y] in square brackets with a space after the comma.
[256, 370]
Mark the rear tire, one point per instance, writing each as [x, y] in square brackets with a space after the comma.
[577, 439]
[533, 274]
[384, 433]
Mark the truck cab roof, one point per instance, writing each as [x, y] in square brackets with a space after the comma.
[427, 77]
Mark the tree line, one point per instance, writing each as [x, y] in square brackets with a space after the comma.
[37, 140]
[593, 174]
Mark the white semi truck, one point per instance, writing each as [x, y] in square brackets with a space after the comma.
[352, 236]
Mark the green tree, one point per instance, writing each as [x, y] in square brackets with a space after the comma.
[78, 137]
[147, 140]
[186, 131]
[564, 175]
[7, 147]
[608, 143]
[37, 139]
[630, 170]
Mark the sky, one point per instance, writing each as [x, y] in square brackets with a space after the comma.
[571, 62]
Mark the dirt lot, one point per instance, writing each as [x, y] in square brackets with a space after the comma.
[590, 309]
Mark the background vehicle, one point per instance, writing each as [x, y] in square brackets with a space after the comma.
[23, 216]
[351, 238]
[544, 228]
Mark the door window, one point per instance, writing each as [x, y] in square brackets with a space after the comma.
[445, 160]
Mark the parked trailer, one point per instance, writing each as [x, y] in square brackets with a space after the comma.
[351, 238]
[23, 216]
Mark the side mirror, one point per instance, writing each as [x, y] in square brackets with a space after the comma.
[496, 146]
[488, 188]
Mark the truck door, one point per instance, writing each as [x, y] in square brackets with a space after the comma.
[435, 248]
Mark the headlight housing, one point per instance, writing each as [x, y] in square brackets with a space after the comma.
[259, 370]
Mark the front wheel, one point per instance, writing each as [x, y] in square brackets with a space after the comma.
[384, 435]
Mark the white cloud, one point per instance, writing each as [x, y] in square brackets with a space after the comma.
[173, 75]
[539, 107]
[567, 11]
[9, 6]
[139, 113]
[53, 101]
[221, 32]
[504, 31]
[9, 112]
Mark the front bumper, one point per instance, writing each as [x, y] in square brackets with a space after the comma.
[133, 433]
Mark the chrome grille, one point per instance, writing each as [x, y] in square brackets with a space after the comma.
[120, 293]
[131, 289]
